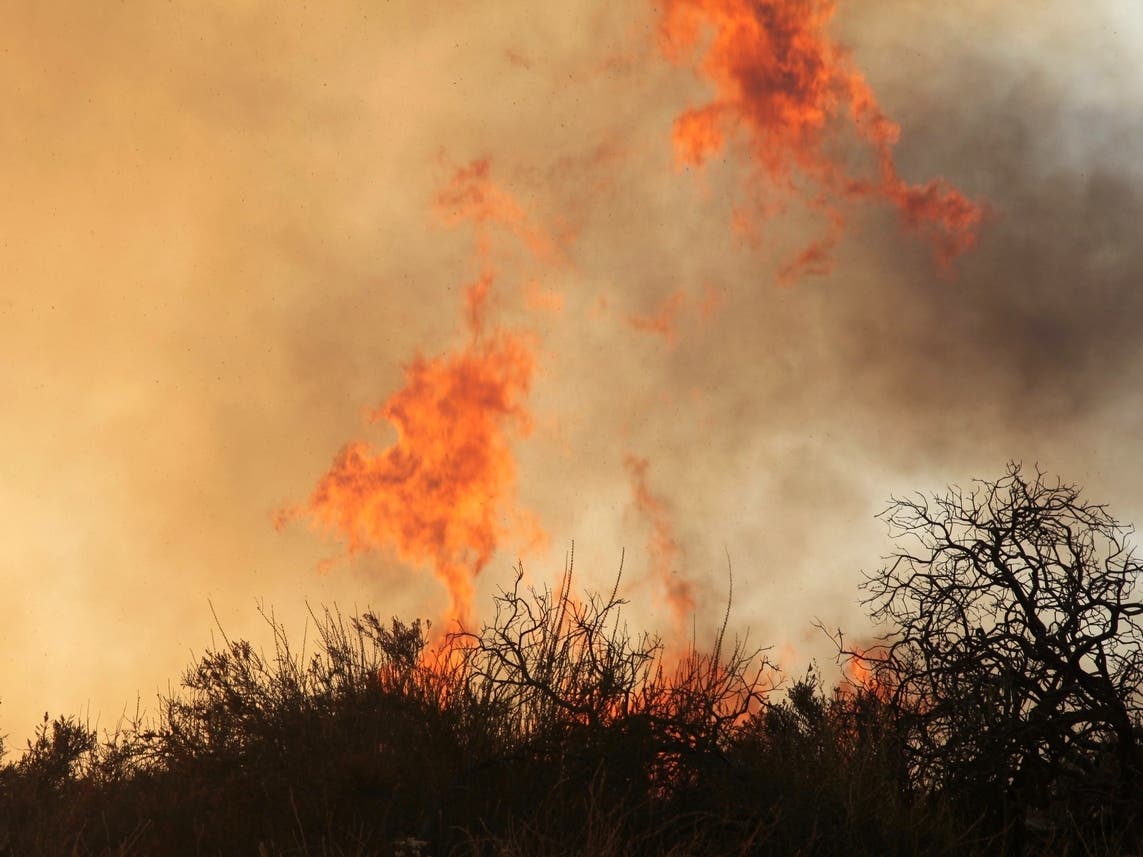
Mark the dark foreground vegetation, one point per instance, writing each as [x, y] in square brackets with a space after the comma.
[1000, 714]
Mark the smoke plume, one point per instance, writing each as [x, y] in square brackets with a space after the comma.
[230, 230]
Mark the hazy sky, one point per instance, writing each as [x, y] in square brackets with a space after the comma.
[227, 233]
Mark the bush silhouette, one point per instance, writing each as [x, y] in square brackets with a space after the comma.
[554, 730]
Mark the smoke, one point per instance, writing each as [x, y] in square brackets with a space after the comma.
[1040, 327]
[231, 231]
[662, 321]
[889, 359]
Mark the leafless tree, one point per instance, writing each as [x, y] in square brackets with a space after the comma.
[1014, 642]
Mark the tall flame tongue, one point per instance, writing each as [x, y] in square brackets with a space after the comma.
[443, 494]
[437, 495]
[662, 546]
[785, 87]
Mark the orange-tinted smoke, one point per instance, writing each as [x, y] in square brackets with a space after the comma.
[662, 546]
[472, 195]
[663, 321]
[787, 90]
[443, 494]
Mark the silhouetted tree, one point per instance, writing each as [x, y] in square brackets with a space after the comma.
[1014, 645]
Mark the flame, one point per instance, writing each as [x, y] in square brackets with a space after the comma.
[860, 673]
[662, 546]
[786, 89]
[443, 494]
[437, 495]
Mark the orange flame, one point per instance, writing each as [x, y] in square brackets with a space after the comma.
[860, 673]
[436, 495]
[662, 546]
[782, 85]
[443, 494]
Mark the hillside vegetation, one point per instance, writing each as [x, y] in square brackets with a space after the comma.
[1005, 726]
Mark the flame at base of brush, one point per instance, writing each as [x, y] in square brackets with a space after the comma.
[443, 494]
